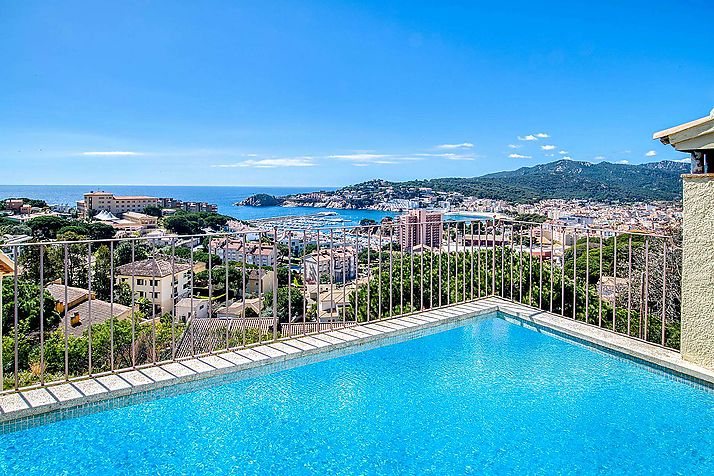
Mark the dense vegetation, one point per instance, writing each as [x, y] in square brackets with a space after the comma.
[564, 179]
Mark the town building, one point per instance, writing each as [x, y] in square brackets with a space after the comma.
[419, 227]
[83, 309]
[258, 254]
[258, 281]
[95, 202]
[184, 312]
[337, 264]
[158, 280]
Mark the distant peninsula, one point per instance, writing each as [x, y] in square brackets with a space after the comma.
[261, 200]
[562, 179]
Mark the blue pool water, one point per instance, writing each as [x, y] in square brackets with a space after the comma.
[489, 397]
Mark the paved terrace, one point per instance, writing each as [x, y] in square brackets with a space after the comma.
[17, 408]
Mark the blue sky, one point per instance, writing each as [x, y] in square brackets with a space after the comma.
[320, 93]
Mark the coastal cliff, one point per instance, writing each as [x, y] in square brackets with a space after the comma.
[261, 200]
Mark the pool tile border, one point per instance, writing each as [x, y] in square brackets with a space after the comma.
[16, 409]
[28, 408]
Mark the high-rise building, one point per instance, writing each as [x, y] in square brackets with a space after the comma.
[419, 227]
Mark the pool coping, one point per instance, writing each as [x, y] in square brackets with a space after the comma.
[28, 404]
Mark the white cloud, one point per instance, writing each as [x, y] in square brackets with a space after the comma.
[271, 163]
[519, 156]
[542, 135]
[599, 157]
[529, 137]
[550, 155]
[385, 162]
[547, 147]
[650, 153]
[111, 153]
[464, 145]
[567, 157]
[563, 152]
[623, 162]
[515, 146]
[358, 164]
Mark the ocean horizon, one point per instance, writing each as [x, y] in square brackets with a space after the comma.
[225, 196]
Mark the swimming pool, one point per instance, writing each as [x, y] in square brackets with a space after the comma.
[487, 396]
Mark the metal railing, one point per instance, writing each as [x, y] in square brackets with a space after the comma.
[73, 309]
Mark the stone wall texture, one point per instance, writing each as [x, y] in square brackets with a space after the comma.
[697, 344]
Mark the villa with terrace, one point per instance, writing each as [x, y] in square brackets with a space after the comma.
[483, 353]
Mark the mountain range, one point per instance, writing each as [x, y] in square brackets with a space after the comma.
[568, 179]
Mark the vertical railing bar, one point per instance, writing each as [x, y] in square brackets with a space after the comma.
[369, 270]
[16, 322]
[463, 266]
[344, 277]
[647, 288]
[520, 265]
[173, 299]
[448, 264]
[575, 272]
[431, 268]
[244, 318]
[411, 277]
[42, 318]
[471, 261]
[290, 248]
[401, 276]
[456, 262]
[493, 260]
[540, 272]
[614, 277]
[562, 275]
[530, 263]
[154, 356]
[133, 304]
[552, 265]
[259, 273]
[66, 314]
[192, 313]
[226, 265]
[89, 306]
[211, 247]
[503, 258]
[2, 320]
[511, 253]
[629, 285]
[276, 283]
[599, 284]
[379, 275]
[331, 271]
[304, 282]
[440, 266]
[391, 271]
[356, 262]
[664, 291]
[478, 226]
[421, 276]
[587, 275]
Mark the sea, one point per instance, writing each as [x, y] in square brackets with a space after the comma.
[224, 196]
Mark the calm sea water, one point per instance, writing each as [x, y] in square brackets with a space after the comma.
[486, 398]
[224, 197]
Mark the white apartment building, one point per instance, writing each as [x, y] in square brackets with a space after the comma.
[338, 263]
[258, 254]
[157, 280]
[419, 227]
[95, 202]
